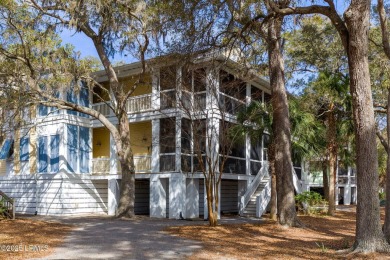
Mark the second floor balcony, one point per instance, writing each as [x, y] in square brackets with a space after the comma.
[136, 104]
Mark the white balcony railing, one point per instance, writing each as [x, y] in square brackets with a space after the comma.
[133, 105]
[139, 103]
[102, 165]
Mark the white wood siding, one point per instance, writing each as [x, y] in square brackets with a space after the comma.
[59, 195]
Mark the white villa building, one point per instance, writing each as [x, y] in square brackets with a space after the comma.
[64, 162]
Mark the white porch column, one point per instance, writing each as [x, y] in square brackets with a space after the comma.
[248, 100]
[155, 163]
[213, 128]
[113, 156]
[192, 198]
[177, 196]
[347, 189]
[113, 196]
[158, 196]
[178, 144]
[156, 90]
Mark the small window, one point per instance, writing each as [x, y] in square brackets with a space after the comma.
[6, 149]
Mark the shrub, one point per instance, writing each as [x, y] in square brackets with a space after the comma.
[310, 202]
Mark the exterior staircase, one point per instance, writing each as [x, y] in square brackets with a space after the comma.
[7, 206]
[255, 201]
[250, 209]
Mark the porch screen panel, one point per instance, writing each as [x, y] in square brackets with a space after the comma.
[24, 153]
[72, 147]
[42, 154]
[84, 149]
[167, 135]
[54, 153]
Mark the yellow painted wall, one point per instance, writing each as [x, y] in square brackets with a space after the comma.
[33, 149]
[101, 136]
[141, 138]
[142, 89]
[128, 83]
[3, 168]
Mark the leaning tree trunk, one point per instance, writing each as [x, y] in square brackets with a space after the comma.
[287, 215]
[369, 236]
[387, 206]
[127, 191]
[332, 151]
[124, 152]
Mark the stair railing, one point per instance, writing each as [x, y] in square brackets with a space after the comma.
[7, 205]
[253, 186]
[263, 199]
[297, 182]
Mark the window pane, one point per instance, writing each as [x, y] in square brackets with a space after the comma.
[42, 154]
[84, 150]
[54, 153]
[72, 148]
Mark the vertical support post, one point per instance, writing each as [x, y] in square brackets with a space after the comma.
[113, 156]
[247, 137]
[192, 198]
[155, 163]
[156, 90]
[113, 194]
[177, 196]
[158, 196]
[178, 144]
[213, 128]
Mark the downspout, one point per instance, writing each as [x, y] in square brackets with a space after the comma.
[36, 193]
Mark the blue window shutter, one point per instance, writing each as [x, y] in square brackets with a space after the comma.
[84, 149]
[72, 147]
[24, 151]
[42, 154]
[84, 97]
[4, 152]
[71, 97]
[54, 153]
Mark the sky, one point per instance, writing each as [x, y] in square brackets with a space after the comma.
[85, 46]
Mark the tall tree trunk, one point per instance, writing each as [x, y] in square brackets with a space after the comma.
[287, 215]
[387, 207]
[211, 203]
[271, 156]
[127, 191]
[325, 178]
[332, 150]
[369, 236]
[124, 152]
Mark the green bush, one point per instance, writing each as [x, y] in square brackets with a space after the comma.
[310, 202]
[382, 195]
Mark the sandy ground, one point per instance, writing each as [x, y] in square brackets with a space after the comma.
[321, 238]
[102, 237]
